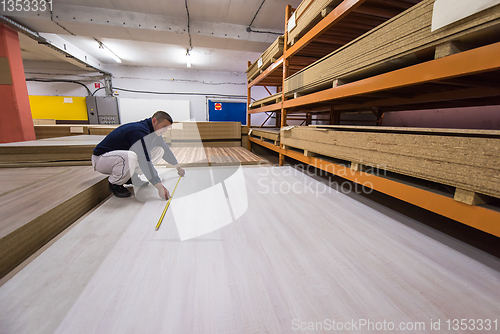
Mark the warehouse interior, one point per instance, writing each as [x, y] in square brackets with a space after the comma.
[338, 166]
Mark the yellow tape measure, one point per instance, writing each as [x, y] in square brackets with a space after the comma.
[166, 206]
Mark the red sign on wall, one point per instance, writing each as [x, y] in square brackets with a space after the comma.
[218, 106]
[97, 85]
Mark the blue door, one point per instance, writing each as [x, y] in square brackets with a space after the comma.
[227, 112]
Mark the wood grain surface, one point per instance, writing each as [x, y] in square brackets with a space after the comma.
[467, 159]
[38, 203]
[324, 256]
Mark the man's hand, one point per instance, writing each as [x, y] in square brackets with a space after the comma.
[162, 191]
[180, 171]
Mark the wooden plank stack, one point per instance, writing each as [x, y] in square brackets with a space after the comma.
[272, 134]
[466, 159]
[244, 136]
[308, 14]
[39, 203]
[205, 133]
[53, 131]
[215, 156]
[269, 56]
[275, 98]
[389, 46]
[64, 151]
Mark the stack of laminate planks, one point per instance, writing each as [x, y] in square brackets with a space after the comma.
[64, 151]
[272, 134]
[215, 156]
[269, 56]
[389, 46]
[466, 159]
[308, 13]
[204, 134]
[38, 203]
[244, 136]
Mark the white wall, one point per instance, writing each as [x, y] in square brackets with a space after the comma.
[198, 84]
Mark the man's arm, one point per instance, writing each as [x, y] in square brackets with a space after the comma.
[144, 161]
[169, 157]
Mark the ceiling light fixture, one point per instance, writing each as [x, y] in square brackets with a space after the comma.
[188, 58]
[108, 50]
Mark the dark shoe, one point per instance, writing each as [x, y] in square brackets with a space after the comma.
[118, 190]
[136, 181]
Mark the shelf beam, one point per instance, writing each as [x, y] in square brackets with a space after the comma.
[271, 107]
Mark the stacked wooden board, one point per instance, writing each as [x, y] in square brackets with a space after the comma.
[44, 131]
[101, 130]
[215, 156]
[275, 98]
[204, 134]
[389, 46]
[64, 151]
[38, 203]
[269, 56]
[272, 134]
[331, 257]
[244, 136]
[308, 13]
[466, 159]
[53, 131]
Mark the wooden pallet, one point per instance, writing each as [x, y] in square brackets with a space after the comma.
[402, 41]
[465, 159]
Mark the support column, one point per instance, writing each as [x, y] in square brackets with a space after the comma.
[16, 121]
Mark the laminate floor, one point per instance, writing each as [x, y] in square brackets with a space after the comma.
[264, 250]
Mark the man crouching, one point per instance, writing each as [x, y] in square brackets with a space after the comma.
[132, 149]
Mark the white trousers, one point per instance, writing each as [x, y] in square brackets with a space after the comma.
[120, 165]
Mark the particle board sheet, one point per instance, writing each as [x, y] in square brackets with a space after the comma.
[51, 151]
[101, 130]
[212, 156]
[466, 159]
[389, 46]
[267, 133]
[272, 53]
[308, 14]
[199, 131]
[275, 98]
[38, 203]
[262, 271]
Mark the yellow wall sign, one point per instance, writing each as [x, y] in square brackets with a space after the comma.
[73, 108]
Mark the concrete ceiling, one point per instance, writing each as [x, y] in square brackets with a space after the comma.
[154, 32]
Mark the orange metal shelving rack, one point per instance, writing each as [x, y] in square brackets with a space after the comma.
[469, 74]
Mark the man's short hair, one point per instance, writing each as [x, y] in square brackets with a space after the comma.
[161, 115]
